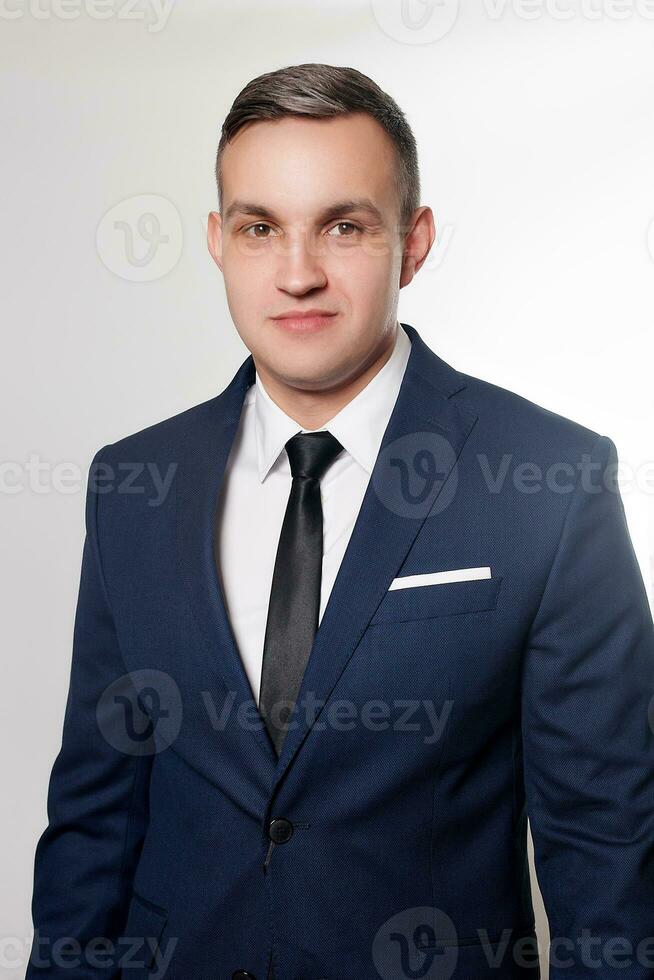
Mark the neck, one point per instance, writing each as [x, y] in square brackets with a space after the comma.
[312, 409]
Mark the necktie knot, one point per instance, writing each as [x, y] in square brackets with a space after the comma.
[311, 453]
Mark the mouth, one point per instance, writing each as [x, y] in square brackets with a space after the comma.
[309, 322]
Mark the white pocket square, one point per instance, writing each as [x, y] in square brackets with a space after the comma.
[440, 578]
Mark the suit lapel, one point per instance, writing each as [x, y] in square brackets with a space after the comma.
[199, 481]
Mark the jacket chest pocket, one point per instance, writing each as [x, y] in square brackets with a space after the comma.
[445, 599]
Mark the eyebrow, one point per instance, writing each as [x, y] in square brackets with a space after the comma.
[332, 211]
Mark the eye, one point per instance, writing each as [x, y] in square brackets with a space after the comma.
[348, 225]
[254, 228]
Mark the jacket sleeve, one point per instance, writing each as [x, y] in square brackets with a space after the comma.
[588, 742]
[97, 797]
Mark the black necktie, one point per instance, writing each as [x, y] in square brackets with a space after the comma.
[295, 593]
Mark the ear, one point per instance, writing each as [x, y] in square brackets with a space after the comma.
[215, 237]
[418, 241]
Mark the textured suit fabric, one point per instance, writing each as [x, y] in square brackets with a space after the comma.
[446, 715]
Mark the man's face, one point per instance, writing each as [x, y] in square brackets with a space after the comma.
[309, 222]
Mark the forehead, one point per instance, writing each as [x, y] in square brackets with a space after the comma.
[301, 164]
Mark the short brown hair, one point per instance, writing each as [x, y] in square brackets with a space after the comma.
[320, 91]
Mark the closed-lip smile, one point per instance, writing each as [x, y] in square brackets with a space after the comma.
[305, 321]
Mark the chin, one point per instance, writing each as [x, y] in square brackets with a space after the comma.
[309, 373]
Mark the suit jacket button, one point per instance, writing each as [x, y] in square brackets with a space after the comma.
[243, 975]
[280, 830]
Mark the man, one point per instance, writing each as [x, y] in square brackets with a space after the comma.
[381, 613]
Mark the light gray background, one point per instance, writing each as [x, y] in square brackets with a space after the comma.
[535, 132]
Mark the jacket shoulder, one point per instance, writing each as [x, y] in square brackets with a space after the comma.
[166, 435]
[515, 420]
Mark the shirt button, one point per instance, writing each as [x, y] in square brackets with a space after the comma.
[243, 975]
[280, 830]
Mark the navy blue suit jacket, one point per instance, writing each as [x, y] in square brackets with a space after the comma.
[432, 720]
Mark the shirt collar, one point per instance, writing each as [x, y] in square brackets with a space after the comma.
[359, 426]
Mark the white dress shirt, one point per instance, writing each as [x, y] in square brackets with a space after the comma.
[257, 485]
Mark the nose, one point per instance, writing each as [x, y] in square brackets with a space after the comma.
[300, 268]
